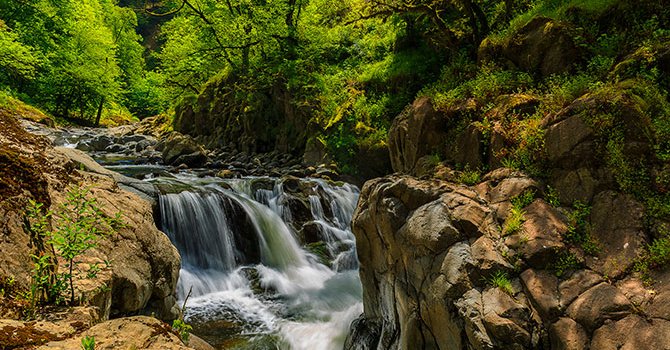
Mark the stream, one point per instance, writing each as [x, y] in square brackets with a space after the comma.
[251, 283]
[267, 263]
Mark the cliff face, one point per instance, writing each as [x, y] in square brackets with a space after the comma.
[439, 272]
[569, 251]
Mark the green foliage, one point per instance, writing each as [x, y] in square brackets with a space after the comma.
[7, 287]
[183, 329]
[515, 218]
[75, 58]
[488, 83]
[579, 228]
[16, 59]
[500, 279]
[470, 177]
[656, 255]
[566, 262]
[88, 343]
[78, 224]
[524, 199]
[552, 197]
[514, 222]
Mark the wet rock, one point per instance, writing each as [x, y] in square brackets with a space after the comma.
[177, 145]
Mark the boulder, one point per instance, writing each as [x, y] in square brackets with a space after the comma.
[598, 304]
[540, 237]
[542, 290]
[566, 334]
[138, 332]
[144, 263]
[421, 289]
[578, 283]
[418, 131]
[633, 333]
[177, 145]
[617, 226]
[543, 46]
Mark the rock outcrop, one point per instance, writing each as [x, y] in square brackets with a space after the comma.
[432, 254]
[543, 46]
[138, 332]
[144, 263]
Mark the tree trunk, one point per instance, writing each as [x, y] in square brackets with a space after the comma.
[97, 117]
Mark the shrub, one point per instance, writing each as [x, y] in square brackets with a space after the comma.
[470, 177]
[515, 219]
[566, 262]
[579, 229]
[78, 224]
[183, 329]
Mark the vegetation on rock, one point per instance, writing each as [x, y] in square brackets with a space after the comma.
[78, 223]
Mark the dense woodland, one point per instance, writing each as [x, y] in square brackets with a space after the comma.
[344, 68]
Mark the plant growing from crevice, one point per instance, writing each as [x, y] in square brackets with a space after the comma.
[515, 218]
[179, 325]
[565, 262]
[78, 224]
[552, 197]
[470, 177]
[88, 343]
[656, 254]
[579, 228]
[500, 279]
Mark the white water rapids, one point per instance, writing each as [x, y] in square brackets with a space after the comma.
[252, 284]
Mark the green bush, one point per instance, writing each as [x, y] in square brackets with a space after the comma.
[183, 329]
[78, 225]
[579, 228]
[566, 262]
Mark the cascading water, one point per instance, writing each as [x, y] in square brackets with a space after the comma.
[253, 284]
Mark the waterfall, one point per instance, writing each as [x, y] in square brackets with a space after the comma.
[244, 259]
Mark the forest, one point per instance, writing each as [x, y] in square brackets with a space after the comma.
[345, 69]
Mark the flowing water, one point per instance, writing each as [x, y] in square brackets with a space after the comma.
[252, 283]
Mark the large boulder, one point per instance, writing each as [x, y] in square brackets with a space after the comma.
[180, 149]
[423, 288]
[138, 332]
[544, 46]
[418, 131]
